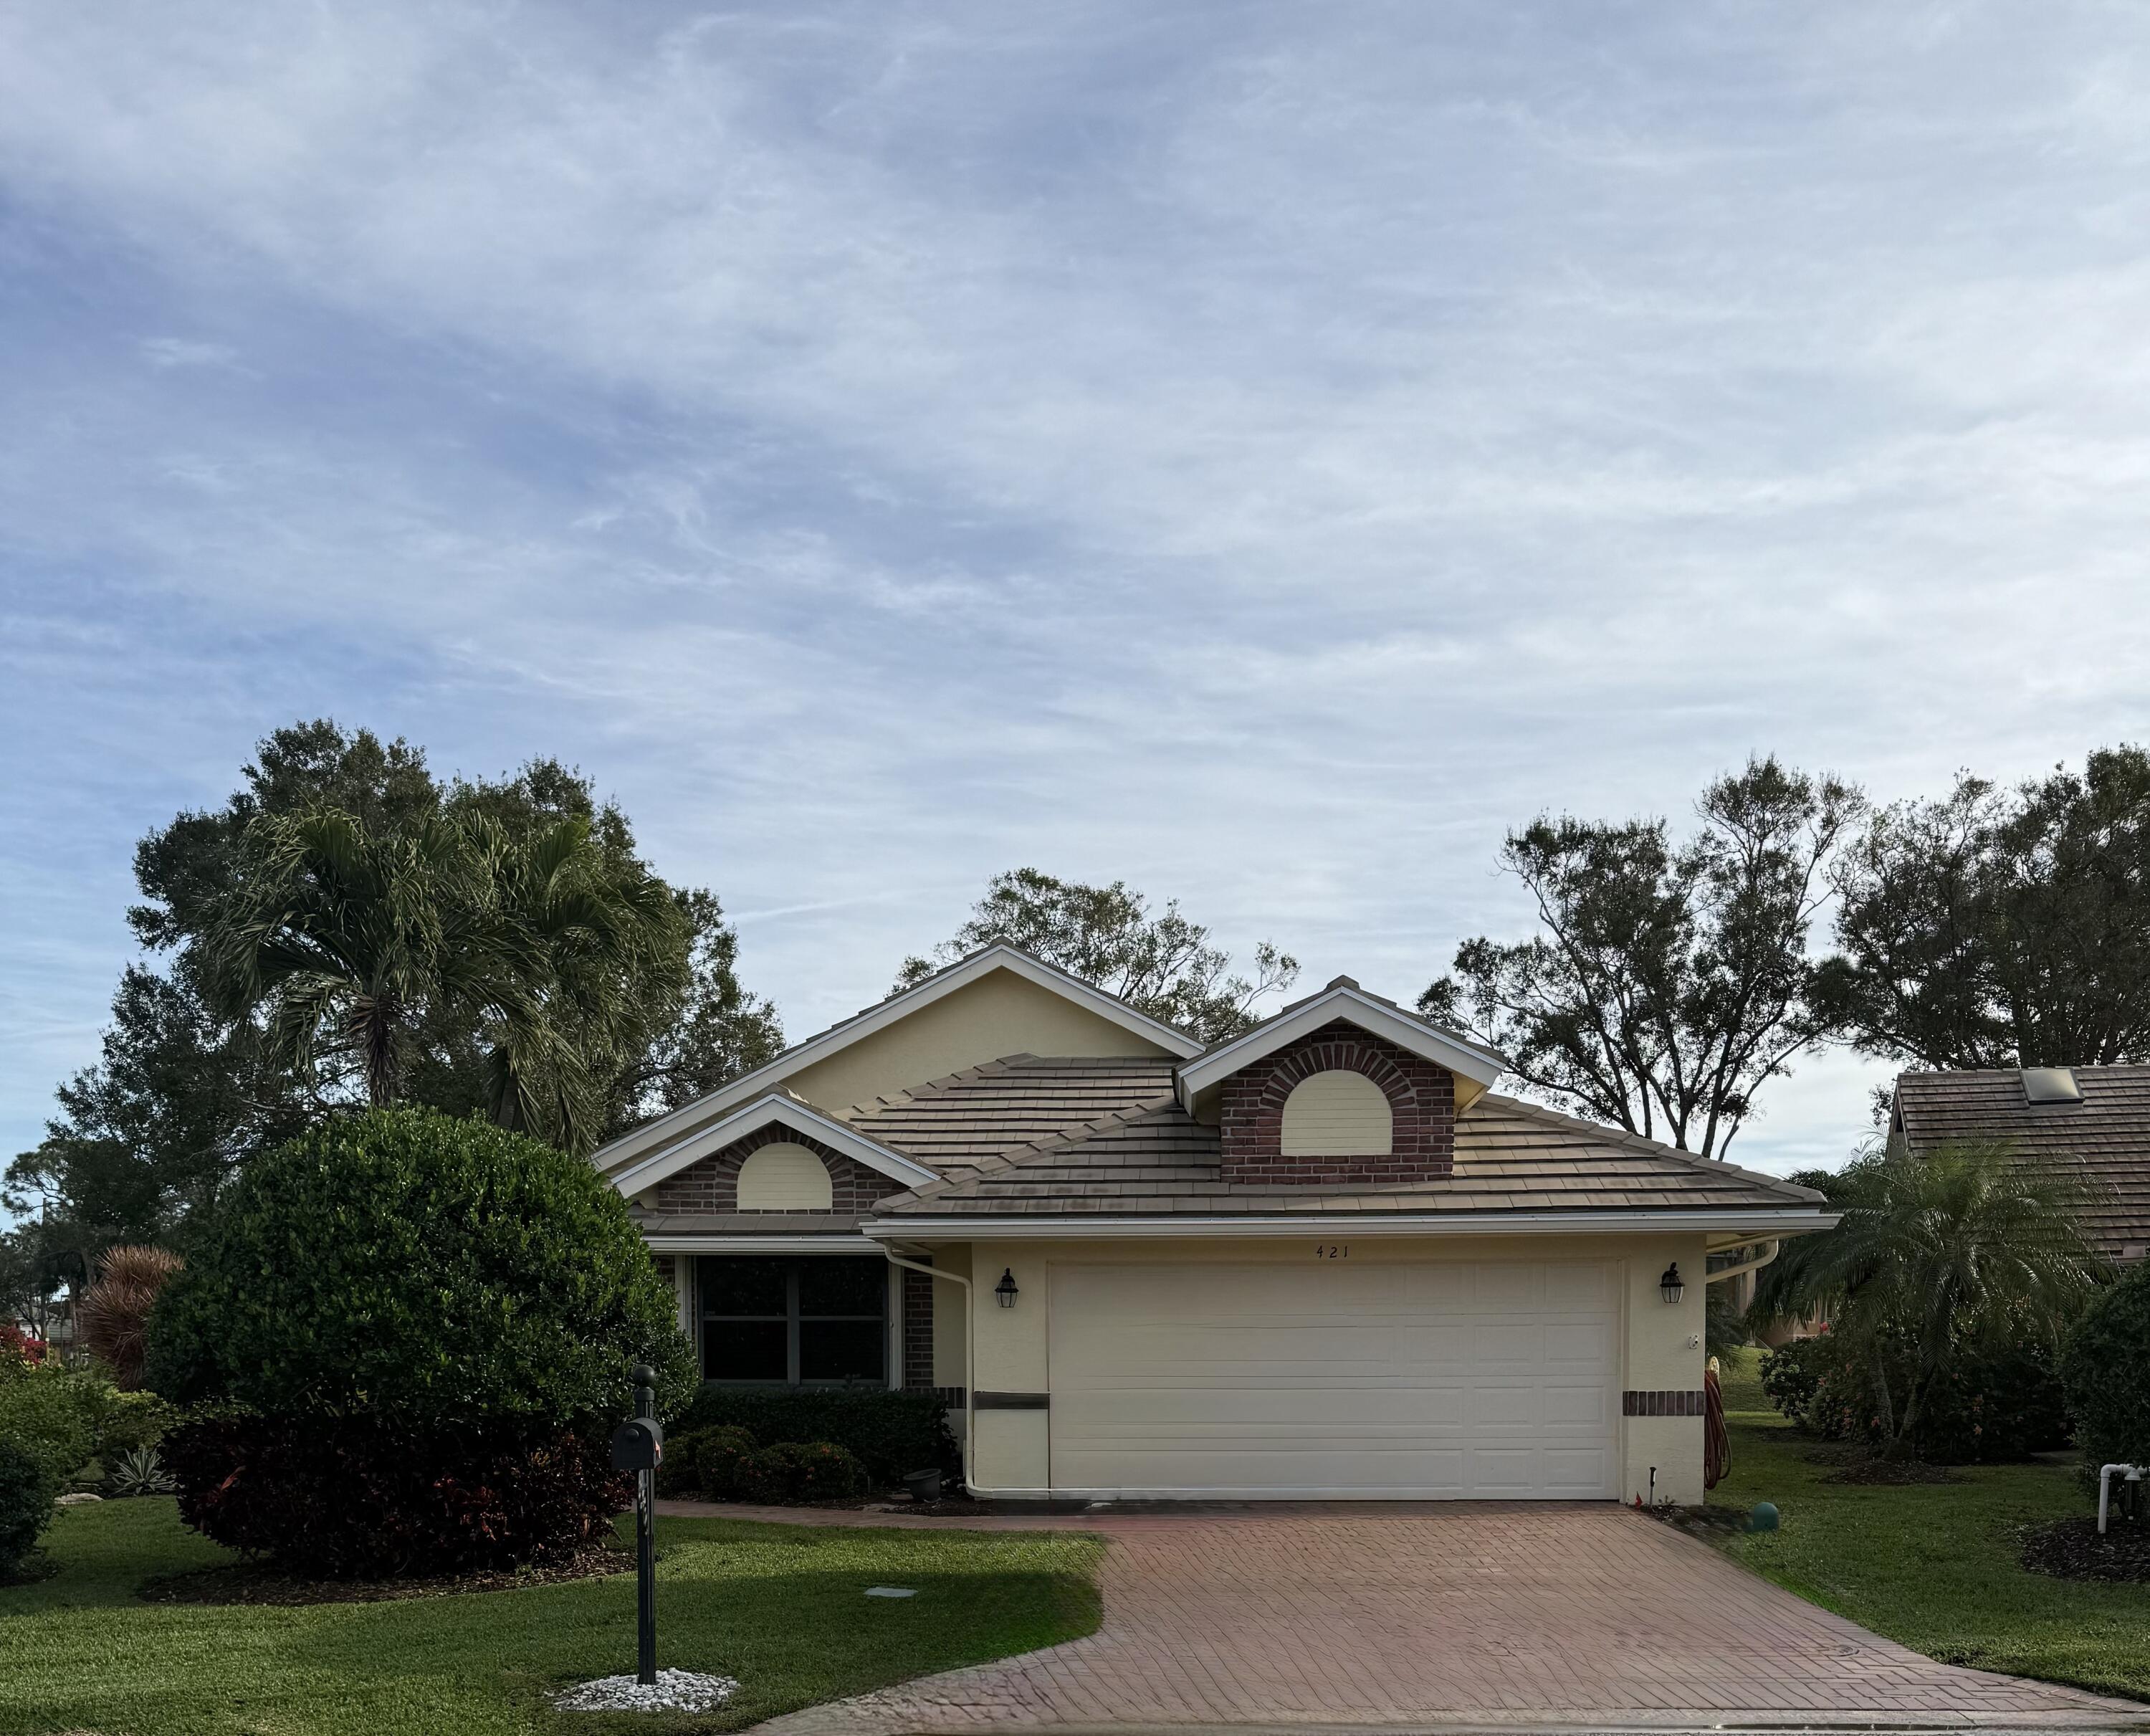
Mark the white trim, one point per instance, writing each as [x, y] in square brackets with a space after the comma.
[1788, 1218]
[838, 1037]
[1482, 1066]
[662, 1243]
[774, 1108]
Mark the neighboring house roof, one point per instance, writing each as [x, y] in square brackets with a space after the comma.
[1343, 999]
[956, 1124]
[2104, 1138]
[1152, 1160]
[633, 1147]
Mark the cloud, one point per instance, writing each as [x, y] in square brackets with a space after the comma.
[1258, 452]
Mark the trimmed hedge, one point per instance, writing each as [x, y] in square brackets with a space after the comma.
[704, 1461]
[889, 1433]
[27, 1490]
[50, 1413]
[1989, 1406]
[408, 1339]
[366, 1498]
[2105, 1368]
[404, 1263]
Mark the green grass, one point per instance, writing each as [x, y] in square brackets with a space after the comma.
[780, 1607]
[1934, 1566]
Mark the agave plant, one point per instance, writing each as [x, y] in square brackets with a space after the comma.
[139, 1473]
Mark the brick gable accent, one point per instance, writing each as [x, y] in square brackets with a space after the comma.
[1421, 1098]
[711, 1185]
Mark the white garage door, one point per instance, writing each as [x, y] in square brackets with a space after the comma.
[1457, 1379]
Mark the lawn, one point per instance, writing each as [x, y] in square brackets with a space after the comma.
[780, 1607]
[1934, 1566]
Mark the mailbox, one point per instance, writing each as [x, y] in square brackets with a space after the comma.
[638, 1444]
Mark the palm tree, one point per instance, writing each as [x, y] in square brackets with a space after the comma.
[348, 942]
[1964, 1246]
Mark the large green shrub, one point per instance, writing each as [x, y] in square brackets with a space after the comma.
[891, 1432]
[27, 1493]
[1987, 1405]
[2105, 1368]
[416, 1333]
[405, 1264]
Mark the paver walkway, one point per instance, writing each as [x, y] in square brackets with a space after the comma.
[1455, 1614]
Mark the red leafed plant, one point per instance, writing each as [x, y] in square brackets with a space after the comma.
[17, 1345]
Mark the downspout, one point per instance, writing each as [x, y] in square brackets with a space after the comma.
[1769, 1252]
[970, 1351]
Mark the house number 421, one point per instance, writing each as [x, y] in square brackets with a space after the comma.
[1332, 1250]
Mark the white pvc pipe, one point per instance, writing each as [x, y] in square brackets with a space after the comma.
[2130, 1474]
[970, 1353]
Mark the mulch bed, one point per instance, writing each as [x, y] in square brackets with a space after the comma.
[261, 1583]
[2072, 1549]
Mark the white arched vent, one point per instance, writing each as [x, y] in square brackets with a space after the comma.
[1337, 1114]
[785, 1178]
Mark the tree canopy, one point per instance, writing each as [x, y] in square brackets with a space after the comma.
[2001, 927]
[1669, 980]
[198, 1072]
[1163, 964]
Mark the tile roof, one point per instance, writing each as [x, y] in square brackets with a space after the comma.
[954, 1124]
[1153, 1160]
[2105, 1137]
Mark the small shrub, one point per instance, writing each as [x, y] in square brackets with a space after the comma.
[891, 1432]
[27, 1493]
[794, 1470]
[139, 1472]
[17, 1347]
[723, 1460]
[114, 1313]
[126, 1422]
[364, 1498]
[2105, 1369]
[703, 1461]
[46, 1411]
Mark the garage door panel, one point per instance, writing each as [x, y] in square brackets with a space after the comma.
[1484, 1379]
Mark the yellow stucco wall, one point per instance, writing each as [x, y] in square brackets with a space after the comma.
[1012, 1456]
[999, 1014]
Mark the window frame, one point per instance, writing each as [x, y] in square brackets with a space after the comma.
[794, 1265]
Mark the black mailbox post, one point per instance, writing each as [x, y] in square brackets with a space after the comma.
[638, 1444]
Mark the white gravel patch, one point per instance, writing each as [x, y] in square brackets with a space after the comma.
[673, 1691]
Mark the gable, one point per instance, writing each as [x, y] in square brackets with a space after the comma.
[997, 1002]
[999, 1014]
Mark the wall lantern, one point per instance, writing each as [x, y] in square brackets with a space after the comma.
[1005, 1289]
[1669, 1286]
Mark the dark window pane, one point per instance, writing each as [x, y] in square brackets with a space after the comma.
[732, 1285]
[840, 1349]
[744, 1351]
[842, 1286]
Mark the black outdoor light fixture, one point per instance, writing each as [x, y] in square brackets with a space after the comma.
[1669, 1286]
[1005, 1289]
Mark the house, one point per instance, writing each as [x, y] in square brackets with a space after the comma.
[2093, 1121]
[1324, 1259]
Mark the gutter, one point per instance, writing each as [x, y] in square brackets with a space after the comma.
[1769, 1252]
[1791, 1220]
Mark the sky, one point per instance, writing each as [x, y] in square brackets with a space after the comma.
[1264, 452]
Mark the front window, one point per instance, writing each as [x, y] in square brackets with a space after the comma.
[809, 1321]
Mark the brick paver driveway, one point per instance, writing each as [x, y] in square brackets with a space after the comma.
[1455, 1614]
